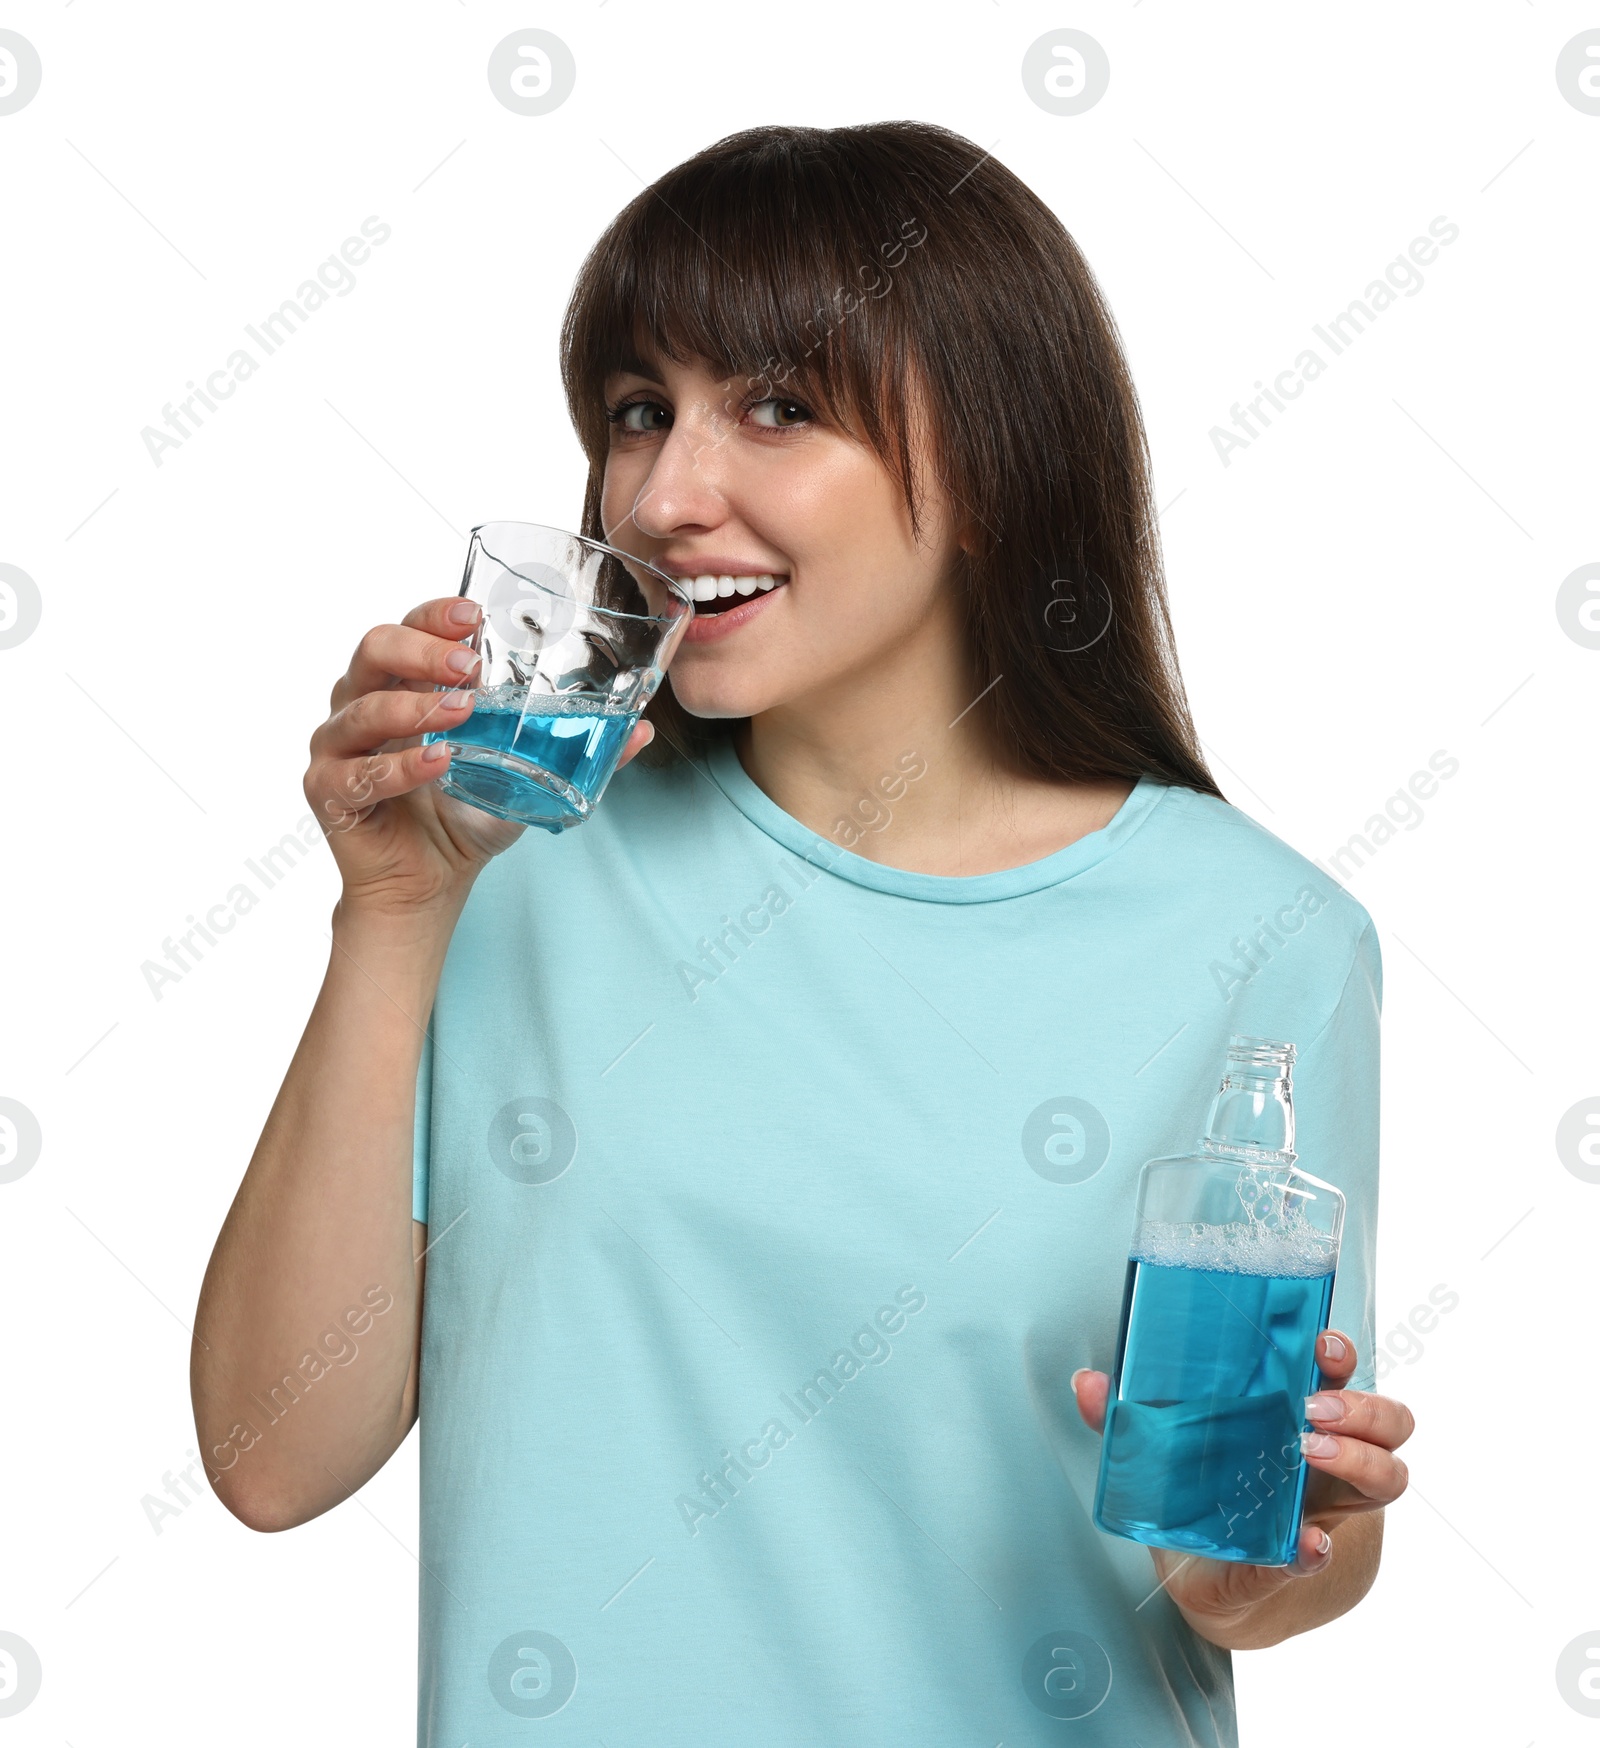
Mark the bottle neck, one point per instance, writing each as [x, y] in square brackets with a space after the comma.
[1252, 1115]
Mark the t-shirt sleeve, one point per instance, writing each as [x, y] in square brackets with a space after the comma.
[1336, 1138]
[420, 1132]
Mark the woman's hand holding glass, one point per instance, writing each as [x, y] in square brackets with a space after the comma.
[400, 844]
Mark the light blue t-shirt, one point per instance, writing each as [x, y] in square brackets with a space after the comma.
[774, 1195]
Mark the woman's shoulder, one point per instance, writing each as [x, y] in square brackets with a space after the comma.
[1230, 858]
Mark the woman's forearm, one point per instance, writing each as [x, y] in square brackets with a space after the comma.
[303, 1366]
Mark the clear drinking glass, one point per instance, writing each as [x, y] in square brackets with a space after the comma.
[575, 637]
[1229, 1284]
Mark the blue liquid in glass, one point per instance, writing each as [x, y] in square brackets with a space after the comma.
[1202, 1441]
[540, 758]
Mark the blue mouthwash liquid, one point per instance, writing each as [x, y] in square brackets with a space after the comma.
[541, 758]
[1202, 1438]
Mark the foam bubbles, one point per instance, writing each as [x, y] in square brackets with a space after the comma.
[510, 698]
[1297, 1252]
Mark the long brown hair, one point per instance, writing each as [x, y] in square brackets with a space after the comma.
[835, 264]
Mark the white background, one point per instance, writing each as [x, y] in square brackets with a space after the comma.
[1371, 581]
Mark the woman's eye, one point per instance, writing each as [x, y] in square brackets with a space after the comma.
[778, 414]
[640, 416]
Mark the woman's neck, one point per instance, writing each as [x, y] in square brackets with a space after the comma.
[898, 769]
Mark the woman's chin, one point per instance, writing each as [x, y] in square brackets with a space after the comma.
[720, 703]
[721, 707]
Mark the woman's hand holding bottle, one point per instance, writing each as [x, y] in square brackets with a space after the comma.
[1354, 1472]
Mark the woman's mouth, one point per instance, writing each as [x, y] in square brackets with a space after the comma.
[716, 593]
[725, 600]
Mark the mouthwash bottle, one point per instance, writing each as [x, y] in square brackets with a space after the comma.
[1229, 1283]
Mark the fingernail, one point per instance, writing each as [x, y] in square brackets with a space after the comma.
[1333, 1347]
[460, 661]
[1324, 1408]
[435, 749]
[1073, 1380]
[453, 700]
[1318, 1444]
[463, 613]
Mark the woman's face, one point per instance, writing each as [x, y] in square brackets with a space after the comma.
[708, 481]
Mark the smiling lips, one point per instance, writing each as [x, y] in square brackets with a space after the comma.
[709, 587]
[725, 600]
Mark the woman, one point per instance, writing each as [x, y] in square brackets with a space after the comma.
[752, 1294]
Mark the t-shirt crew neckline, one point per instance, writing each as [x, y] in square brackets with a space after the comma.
[762, 811]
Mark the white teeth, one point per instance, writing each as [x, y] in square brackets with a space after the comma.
[707, 587]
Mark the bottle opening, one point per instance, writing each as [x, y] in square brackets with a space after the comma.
[1260, 1053]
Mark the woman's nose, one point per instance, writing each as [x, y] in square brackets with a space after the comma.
[684, 487]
